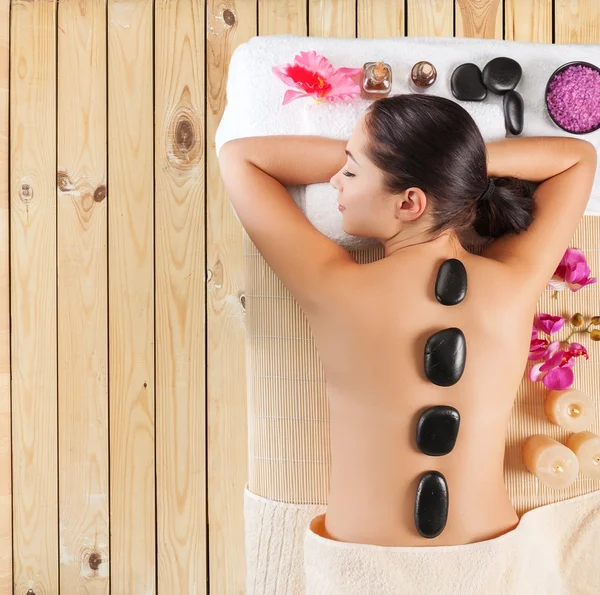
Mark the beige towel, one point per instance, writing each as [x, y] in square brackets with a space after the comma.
[554, 550]
[274, 535]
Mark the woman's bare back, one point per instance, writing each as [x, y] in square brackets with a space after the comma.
[371, 343]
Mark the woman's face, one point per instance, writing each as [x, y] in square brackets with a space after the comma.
[368, 208]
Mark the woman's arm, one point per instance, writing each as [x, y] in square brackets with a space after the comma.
[566, 168]
[294, 159]
[535, 158]
[254, 173]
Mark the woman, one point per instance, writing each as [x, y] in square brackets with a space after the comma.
[415, 174]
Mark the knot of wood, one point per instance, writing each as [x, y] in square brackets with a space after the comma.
[184, 138]
[63, 181]
[26, 193]
[228, 17]
[91, 563]
[95, 560]
[100, 193]
[184, 135]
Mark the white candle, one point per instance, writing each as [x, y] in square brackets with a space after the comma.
[586, 446]
[551, 462]
[570, 409]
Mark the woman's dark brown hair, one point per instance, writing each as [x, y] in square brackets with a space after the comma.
[433, 143]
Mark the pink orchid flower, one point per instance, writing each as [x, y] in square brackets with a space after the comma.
[556, 373]
[578, 350]
[572, 272]
[537, 349]
[314, 76]
[549, 324]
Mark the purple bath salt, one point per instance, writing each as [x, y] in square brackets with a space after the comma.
[574, 98]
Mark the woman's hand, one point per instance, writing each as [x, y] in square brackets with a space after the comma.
[292, 159]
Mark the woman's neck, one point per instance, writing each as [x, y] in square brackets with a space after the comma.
[400, 242]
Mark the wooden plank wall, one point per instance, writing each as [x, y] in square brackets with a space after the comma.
[81, 210]
[123, 432]
[131, 297]
[33, 297]
[180, 331]
[107, 298]
[5, 430]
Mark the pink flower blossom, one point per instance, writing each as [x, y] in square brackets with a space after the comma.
[537, 349]
[549, 324]
[556, 372]
[578, 350]
[572, 272]
[314, 76]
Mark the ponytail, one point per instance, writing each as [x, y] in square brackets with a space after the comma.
[507, 209]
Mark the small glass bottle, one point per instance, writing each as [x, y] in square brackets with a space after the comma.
[377, 80]
[423, 75]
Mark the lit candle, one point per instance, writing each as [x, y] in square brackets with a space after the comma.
[551, 462]
[570, 409]
[586, 447]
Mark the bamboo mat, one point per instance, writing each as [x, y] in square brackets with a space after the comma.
[288, 415]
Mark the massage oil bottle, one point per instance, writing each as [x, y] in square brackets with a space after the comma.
[423, 75]
[376, 80]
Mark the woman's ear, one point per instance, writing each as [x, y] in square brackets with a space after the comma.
[411, 204]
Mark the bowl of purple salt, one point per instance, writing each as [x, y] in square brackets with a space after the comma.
[573, 97]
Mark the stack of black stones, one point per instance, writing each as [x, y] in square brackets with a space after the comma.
[437, 427]
[500, 76]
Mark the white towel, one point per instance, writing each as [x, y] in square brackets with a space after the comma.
[274, 535]
[254, 96]
[554, 550]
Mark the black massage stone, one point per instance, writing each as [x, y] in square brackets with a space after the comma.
[451, 283]
[513, 112]
[501, 75]
[466, 83]
[445, 356]
[431, 504]
[437, 430]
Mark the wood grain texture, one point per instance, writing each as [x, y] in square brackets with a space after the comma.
[577, 21]
[180, 303]
[82, 298]
[5, 442]
[33, 289]
[288, 16]
[131, 296]
[228, 24]
[528, 20]
[380, 18]
[332, 18]
[479, 18]
[430, 18]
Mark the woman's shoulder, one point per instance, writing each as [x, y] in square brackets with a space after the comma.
[406, 283]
